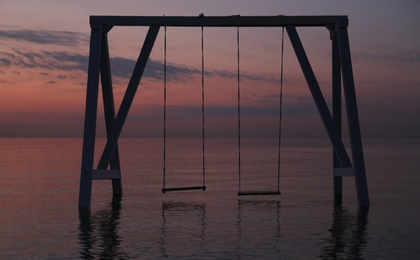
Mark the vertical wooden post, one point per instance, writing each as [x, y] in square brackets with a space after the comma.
[336, 111]
[353, 118]
[89, 133]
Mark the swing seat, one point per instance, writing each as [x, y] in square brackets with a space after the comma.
[251, 193]
[203, 188]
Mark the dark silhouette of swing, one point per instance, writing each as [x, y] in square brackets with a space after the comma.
[185, 188]
[99, 75]
[259, 192]
[203, 186]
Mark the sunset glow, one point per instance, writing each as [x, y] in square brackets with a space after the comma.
[44, 55]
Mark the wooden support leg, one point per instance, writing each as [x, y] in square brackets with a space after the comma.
[90, 121]
[353, 120]
[336, 107]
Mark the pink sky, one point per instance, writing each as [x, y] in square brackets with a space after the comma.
[44, 52]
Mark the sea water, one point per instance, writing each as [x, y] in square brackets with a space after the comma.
[39, 219]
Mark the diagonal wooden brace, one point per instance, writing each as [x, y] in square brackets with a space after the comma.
[128, 97]
[326, 117]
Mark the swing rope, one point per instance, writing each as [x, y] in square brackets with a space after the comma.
[239, 107]
[203, 187]
[164, 109]
[280, 108]
[202, 107]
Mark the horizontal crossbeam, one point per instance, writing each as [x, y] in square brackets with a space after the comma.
[219, 21]
[184, 188]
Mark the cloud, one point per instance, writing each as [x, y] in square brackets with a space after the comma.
[123, 68]
[61, 76]
[120, 66]
[48, 60]
[246, 76]
[390, 59]
[4, 62]
[63, 38]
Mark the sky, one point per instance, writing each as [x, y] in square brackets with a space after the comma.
[44, 50]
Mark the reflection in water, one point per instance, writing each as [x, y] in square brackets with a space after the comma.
[258, 226]
[98, 233]
[348, 234]
[183, 232]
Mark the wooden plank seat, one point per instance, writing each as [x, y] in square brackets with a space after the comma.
[184, 188]
[250, 193]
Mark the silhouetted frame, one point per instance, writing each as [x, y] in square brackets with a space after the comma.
[109, 165]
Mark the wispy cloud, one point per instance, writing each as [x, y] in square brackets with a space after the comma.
[390, 59]
[48, 60]
[123, 67]
[63, 38]
[5, 62]
[245, 76]
[120, 66]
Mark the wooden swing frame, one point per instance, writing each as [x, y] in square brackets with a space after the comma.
[99, 67]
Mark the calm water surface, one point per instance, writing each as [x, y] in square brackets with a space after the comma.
[39, 194]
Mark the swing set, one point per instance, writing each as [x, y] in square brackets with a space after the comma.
[99, 66]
